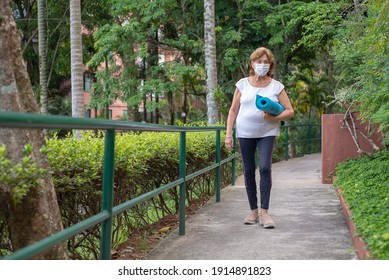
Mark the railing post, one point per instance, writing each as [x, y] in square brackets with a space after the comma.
[181, 230]
[106, 227]
[320, 128]
[218, 167]
[310, 138]
[233, 162]
[286, 143]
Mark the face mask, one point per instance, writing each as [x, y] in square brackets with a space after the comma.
[261, 69]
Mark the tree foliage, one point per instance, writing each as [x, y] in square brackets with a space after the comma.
[19, 177]
[137, 37]
[94, 14]
[333, 46]
[361, 52]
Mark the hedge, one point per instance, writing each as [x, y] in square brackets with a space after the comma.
[143, 162]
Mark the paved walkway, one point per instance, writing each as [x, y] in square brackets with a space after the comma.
[310, 224]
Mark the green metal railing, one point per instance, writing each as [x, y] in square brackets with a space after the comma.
[108, 211]
[301, 138]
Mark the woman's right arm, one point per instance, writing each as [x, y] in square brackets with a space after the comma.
[233, 112]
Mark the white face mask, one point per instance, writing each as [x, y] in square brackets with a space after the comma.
[261, 69]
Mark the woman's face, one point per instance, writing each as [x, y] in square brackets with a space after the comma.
[261, 60]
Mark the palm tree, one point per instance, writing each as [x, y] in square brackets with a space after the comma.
[77, 68]
[210, 60]
[310, 86]
[42, 41]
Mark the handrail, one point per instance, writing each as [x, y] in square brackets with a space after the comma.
[34, 121]
[308, 138]
[29, 120]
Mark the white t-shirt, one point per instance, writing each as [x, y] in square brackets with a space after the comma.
[250, 122]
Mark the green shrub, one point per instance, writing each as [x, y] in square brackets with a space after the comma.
[364, 183]
[20, 177]
[143, 162]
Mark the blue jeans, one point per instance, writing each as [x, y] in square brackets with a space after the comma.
[265, 149]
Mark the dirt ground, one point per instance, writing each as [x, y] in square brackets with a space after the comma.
[145, 239]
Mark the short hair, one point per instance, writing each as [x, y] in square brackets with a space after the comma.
[257, 54]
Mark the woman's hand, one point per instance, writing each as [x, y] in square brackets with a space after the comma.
[269, 117]
[229, 143]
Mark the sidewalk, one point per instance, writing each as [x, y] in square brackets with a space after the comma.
[310, 224]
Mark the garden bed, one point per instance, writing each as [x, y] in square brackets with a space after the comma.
[363, 185]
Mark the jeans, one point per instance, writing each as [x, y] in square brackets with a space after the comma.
[265, 149]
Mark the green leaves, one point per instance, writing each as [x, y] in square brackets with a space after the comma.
[364, 183]
[18, 178]
[365, 69]
[77, 164]
[143, 162]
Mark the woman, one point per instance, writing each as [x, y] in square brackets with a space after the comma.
[256, 129]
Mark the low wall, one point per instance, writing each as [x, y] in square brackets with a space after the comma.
[338, 145]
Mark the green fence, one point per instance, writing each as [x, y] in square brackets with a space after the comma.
[303, 138]
[108, 211]
[296, 140]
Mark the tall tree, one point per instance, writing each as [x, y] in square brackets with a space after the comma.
[113, 43]
[37, 215]
[42, 41]
[210, 60]
[77, 67]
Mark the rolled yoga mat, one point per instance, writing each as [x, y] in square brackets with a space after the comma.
[268, 106]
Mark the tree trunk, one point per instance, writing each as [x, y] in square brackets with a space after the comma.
[210, 60]
[77, 67]
[171, 107]
[129, 62]
[184, 113]
[38, 215]
[42, 40]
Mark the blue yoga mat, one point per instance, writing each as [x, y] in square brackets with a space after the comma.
[268, 106]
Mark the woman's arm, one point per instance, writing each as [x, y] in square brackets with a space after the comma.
[286, 114]
[233, 112]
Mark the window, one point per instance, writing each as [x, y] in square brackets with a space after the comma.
[87, 82]
[87, 113]
[125, 114]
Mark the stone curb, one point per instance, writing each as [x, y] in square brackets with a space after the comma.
[359, 243]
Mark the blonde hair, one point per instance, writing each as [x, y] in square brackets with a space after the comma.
[257, 54]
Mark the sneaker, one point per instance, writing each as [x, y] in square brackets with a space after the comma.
[252, 218]
[265, 220]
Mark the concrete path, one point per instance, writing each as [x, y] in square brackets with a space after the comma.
[310, 224]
